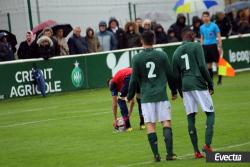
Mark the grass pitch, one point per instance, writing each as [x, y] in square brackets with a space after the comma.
[75, 130]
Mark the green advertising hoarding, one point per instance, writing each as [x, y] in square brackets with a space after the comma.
[71, 73]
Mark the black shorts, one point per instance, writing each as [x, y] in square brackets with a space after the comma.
[211, 53]
[124, 89]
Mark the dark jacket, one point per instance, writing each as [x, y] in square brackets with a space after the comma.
[46, 52]
[225, 26]
[77, 45]
[133, 40]
[194, 28]
[4, 52]
[120, 34]
[26, 51]
[141, 30]
[179, 26]
[160, 37]
[56, 47]
[243, 27]
[171, 38]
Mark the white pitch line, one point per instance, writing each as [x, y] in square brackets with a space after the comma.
[43, 108]
[185, 156]
[48, 120]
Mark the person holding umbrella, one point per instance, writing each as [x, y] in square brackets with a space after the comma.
[6, 52]
[49, 33]
[61, 31]
[62, 43]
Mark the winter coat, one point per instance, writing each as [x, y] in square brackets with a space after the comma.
[63, 46]
[55, 46]
[225, 27]
[194, 28]
[107, 40]
[46, 51]
[170, 38]
[93, 42]
[160, 37]
[244, 27]
[4, 52]
[77, 45]
[26, 51]
[119, 34]
[133, 40]
[178, 26]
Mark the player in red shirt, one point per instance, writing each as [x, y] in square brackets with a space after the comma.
[120, 83]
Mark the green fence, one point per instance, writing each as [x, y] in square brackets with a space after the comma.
[72, 73]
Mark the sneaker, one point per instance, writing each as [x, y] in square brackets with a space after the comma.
[206, 149]
[198, 155]
[171, 157]
[142, 127]
[157, 158]
[129, 130]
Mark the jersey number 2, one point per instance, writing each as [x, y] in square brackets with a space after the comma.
[151, 66]
[185, 57]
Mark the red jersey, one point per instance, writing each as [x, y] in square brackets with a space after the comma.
[119, 77]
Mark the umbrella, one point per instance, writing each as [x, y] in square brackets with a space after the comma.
[67, 28]
[11, 38]
[237, 6]
[156, 16]
[39, 28]
[189, 6]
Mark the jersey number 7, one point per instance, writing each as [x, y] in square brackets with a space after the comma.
[185, 57]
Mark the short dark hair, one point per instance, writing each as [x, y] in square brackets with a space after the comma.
[206, 13]
[148, 37]
[187, 34]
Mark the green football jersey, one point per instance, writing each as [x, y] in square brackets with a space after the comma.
[152, 71]
[190, 68]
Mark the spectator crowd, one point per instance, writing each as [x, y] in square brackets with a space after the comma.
[112, 36]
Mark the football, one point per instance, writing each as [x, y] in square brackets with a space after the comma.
[120, 124]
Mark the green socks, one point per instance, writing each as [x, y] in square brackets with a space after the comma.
[209, 127]
[192, 131]
[152, 138]
[168, 138]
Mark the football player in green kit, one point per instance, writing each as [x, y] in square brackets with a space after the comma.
[190, 68]
[152, 71]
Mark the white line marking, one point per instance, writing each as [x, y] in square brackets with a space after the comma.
[185, 155]
[48, 120]
[46, 108]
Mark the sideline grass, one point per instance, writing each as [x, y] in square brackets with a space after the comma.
[75, 130]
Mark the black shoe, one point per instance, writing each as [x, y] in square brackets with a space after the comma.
[157, 158]
[171, 157]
